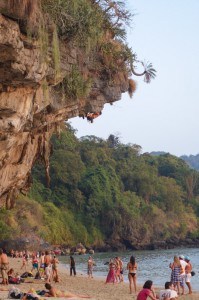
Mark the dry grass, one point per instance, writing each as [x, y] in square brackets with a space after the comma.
[132, 87]
[25, 9]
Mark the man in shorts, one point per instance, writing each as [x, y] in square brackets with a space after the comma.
[188, 270]
[182, 273]
[4, 266]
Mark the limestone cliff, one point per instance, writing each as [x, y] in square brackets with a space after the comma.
[34, 101]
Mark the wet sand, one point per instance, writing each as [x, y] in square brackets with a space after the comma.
[80, 284]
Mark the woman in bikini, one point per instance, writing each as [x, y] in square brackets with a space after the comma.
[55, 262]
[132, 275]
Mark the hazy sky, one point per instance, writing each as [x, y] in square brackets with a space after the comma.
[163, 115]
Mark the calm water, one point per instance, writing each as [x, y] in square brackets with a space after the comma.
[152, 265]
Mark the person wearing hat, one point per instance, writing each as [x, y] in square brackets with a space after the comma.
[188, 270]
[182, 272]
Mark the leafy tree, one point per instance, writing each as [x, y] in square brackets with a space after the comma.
[106, 190]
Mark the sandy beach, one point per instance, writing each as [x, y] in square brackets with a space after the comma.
[95, 287]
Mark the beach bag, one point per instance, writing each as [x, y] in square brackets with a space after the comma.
[41, 293]
[37, 275]
[15, 293]
[26, 275]
[31, 297]
[193, 273]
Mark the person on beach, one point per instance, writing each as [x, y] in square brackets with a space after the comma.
[4, 266]
[24, 261]
[168, 293]
[48, 273]
[53, 292]
[90, 267]
[47, 259]
[41, 264]
[111, 274]
[121, 269]
[175, 273]
[183, 264]
[117, 269]
[35, 263]
[147, 291]
[12, 278]
[72, 266]
[55, 263]
[188, 270]
[132, 274]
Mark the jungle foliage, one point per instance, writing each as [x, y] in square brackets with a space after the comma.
[103, 189]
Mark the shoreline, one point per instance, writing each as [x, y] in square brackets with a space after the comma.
[80, 284]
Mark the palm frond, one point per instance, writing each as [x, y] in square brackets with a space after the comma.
[150, 72]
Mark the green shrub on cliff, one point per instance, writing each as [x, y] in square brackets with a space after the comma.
[112, 190]
[76, 20]
[104, 190]
[74, 86]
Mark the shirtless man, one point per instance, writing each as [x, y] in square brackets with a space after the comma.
[47, 259]
[188, 270]
[4, 266]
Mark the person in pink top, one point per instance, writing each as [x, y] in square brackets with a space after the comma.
[147, 291]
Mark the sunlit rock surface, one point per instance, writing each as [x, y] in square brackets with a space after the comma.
[32, 105]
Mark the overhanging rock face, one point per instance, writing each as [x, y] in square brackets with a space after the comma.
[32, 104]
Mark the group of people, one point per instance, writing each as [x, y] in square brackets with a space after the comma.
[45, 265]
[148, 292]
[115, 274]
[181, 273]
[90, 264]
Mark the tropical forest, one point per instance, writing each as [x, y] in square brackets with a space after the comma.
[107, 195]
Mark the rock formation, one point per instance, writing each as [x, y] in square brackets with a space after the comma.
[32, 101]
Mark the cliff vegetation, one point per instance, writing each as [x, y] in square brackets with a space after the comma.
[58, 59]
[108, 195]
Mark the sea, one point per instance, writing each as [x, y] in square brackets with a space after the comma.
[152, 264]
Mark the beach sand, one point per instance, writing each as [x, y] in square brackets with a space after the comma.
[80, 284]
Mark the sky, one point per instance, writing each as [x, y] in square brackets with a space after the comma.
[162, 115]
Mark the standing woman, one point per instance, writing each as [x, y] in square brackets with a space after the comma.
[72, 266]
[24, 261]
[132, 275]
[55, 262]
[111, 274]
[175, 273]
